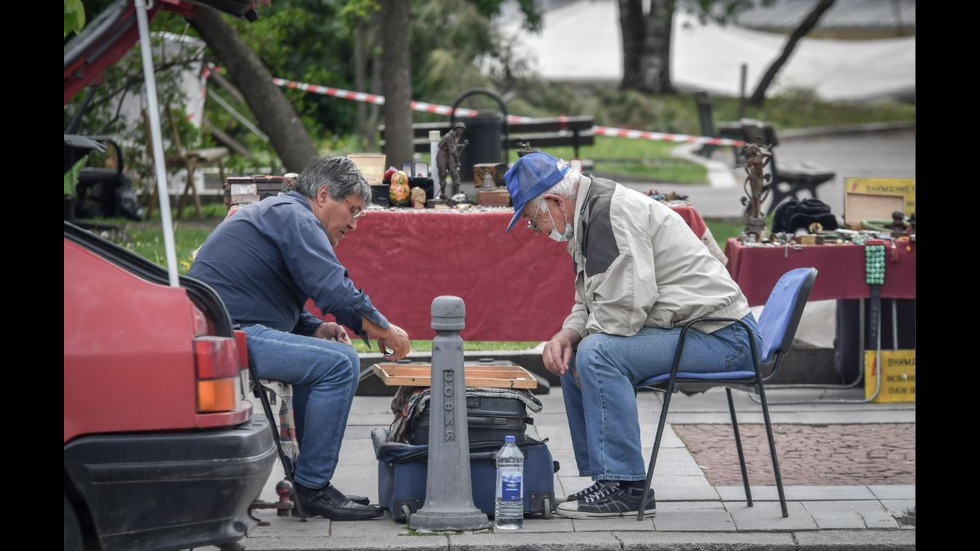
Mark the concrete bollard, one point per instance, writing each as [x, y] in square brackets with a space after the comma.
[448, 491]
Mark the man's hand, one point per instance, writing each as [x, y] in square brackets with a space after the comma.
[332, 332]
[558, 351]
[394, 338]
[397, 340]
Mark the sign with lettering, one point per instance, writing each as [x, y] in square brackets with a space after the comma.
[449, 421]
[877, 198]
[897, 375]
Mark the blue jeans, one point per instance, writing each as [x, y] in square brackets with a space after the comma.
[602, 413]
[324, 375]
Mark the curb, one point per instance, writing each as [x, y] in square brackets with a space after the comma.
[611, 540]
[847, 130]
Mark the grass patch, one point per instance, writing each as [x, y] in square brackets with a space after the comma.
[722, 230]
[800, 108]
[209, 211]
[641, 159]
[725, 228]
[147, 241]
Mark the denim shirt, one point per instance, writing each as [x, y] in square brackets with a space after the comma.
[267, 258]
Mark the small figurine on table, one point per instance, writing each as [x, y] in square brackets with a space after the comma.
[418, 198]
[447, 159]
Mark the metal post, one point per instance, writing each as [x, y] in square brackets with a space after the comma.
[741, 90]
[433, 168]
[153, 110]
[449, 489]
[895, 324]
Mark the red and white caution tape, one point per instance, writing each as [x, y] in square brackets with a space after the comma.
[661, 137]
[380, 100]
[463, 112]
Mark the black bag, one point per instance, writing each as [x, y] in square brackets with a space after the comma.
[488, 418]
[793, 215]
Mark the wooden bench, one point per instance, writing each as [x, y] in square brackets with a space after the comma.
[706, 119]
[551, 132]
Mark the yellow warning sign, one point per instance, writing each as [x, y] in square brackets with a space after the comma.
[904, 187]
[897, 375]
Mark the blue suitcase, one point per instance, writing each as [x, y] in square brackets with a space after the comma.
[403, 469]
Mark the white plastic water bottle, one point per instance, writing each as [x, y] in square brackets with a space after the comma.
[509, 506]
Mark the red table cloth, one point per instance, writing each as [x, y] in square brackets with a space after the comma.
[516, 286]
[840, 270]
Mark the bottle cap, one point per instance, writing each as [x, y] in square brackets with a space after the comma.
[509, 438]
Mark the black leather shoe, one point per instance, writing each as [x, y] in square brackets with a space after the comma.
[362, 500]
[329, 502]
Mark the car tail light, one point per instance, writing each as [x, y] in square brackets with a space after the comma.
[215, 395]
[218, 363]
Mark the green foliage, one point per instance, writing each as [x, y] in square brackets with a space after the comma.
[74, 16]
[115, 107]
[529, 8]
[71, 177]
[309, 41]
[356, 10]
[146, 240]
[454, 47]
[800, 108]
[722, 11]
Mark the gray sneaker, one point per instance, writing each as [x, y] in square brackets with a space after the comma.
[611, 500]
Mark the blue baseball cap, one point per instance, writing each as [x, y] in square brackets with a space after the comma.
[532, 175]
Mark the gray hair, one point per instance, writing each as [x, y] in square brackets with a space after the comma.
[339, 174]
[565, 187]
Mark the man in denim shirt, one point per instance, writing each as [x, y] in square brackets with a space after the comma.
[265, 261]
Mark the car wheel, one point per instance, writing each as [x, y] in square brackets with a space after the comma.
[73, 531]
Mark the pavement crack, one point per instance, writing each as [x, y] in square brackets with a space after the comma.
[796, 541]
[622, 545]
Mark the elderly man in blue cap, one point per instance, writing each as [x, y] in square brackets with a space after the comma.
[641, 274]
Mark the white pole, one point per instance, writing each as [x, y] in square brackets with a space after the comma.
[153, 109]
[434, 170]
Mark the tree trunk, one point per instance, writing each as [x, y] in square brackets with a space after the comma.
[396, 74]
[811, 20]
[375, 111]
[362, 57]
[631, 24]
[646, 45]
[276, 117]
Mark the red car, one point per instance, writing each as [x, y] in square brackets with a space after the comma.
[162, 451]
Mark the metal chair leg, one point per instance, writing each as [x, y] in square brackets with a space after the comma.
[772, 448]
[738, 446]
[671, 387]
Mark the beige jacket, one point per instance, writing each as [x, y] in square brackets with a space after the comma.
[638, 264]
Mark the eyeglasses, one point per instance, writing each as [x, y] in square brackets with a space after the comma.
[355, 212]
[532, 221]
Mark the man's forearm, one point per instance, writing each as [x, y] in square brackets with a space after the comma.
[372, 329]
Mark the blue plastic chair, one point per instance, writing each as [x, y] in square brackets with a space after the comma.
[777, 327]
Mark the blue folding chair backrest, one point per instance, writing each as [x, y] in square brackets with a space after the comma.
[781, 315]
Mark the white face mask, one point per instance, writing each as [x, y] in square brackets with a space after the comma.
[560, 237]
